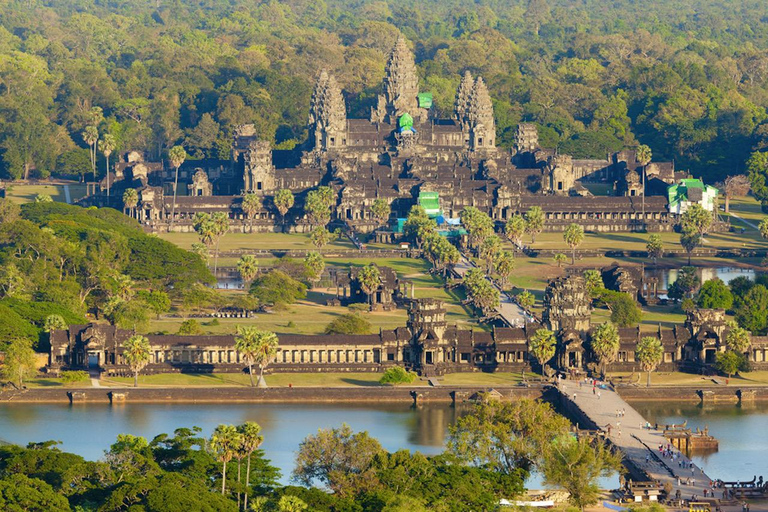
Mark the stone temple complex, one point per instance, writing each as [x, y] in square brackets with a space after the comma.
[400, 152]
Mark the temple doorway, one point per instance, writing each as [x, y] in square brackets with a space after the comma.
[93, 360]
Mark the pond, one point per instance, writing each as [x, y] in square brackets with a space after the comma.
[667, 276]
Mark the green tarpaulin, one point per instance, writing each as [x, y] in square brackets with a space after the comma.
[425, 99]
[405, 122]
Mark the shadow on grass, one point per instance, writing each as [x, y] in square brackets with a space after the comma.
[358, 382]
[51, 384]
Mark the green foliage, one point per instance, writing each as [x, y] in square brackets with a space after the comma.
[594, 281]
[686, 283]
[534, 222]
[418, 226]
[605, 343]
[381, 210]
[257, 347]
[573, 236]
[624, 309]
[478, 224]
[369, 279]
[714, 294]
[730, 362]
[349, 323]
[649, 353]
[542, 346]
[19, 362]
[515, 229]
[654, 247]
[397, 375]
[314, 265]
[526, 299]
[137, 354]
[752, 311]
[278, 289]
[190, 327]
[69, 377]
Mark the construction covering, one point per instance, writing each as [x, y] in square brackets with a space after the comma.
[425, 99]
[430, 201]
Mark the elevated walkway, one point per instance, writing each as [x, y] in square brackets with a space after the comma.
[639, 445]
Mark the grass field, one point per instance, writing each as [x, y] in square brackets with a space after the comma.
[27, 193]
[258, 241]
[688, 379]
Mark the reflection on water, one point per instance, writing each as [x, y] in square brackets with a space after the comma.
[89, 429]
[740, 430]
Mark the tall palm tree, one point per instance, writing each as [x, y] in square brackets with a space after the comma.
[107, 145]
[644, 156]
[251, 441]
[247, 267]
[257, 347]
[137, 353]
[177, 155]
[220, 222]
[250, 205]
[91, 137]
[130, 200]
[369, 279]
[224, 443]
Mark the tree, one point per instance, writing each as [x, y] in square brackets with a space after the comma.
[506, 436]
[757, 170]
[542, 346]
[624, 309]
[526, 299]
[534, 222]
[752, 311]
[696, 220]
[397, 375]
[220, 226]
[763, 228]
[418, 226]
[339, 459]
[349, 323]
[644, 156]
[225, 441]
[290, 503]
[189, 327]
[19, 361]
[560, 258]
[320, 237]
[19, 492]
[283, 200]
[54, 322]
[505, 264]
[176, 155]
[737, 185]
[738, 340]
[537, 13]
[649, 353]
[381, 210]
[729, 362]
[489, 252]
[478, 224]
[314, 265]
[515, 229]
[251, 439]
[130, 200]
[687, 281]
[251, 204]
[248, 268]
[440, 252]
[605, 344]
[573, 236]
[43, 198]
[654, 247]
[594, 282]
[575, 464]
[278, 289]
[318, 204]
[107, 146]
[137, 353]
[369, 278]
[91, 137]
[714, 294]
[690, 240]
[256, 347]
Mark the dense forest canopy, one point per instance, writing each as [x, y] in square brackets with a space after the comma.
[687, 77]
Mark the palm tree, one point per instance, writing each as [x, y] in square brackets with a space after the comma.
[250, 432]
[224, 443]
[248, 268]
[644, 156]
[250, 205]
[177, 155]
[107, 145]
[130, 200]
[369, 278]
[91, 137]
[137, 354]
[283, 202]
[257, 347]
[220, 222]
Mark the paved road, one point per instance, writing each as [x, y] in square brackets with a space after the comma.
[745, 221]
[509, 310]
[637, 443]
[67, 196]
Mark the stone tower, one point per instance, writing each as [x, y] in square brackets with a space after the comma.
[259, 174]
[401, 86]
[327, 114]
[567, 305]
[463, 94]
[526, 138]
[426, 319]
[482, 127]
[561, 174]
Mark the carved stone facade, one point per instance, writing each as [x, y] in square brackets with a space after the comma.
[567, 305]
[200, 185]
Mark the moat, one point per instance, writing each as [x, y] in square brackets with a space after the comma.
[88, 429]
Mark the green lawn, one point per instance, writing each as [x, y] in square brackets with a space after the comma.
[258, 241]
[27, 193]
[689, 379]
[317, 379]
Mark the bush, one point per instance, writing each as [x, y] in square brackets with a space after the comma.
[278, 289]
[190, 327]
[350, 323]
[74, 376]
[213, 323]
[397, 375]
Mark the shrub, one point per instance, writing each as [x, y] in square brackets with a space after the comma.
[213, 323]
[397, 375]
[74, 376]
[350, 323]
[190, 327]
